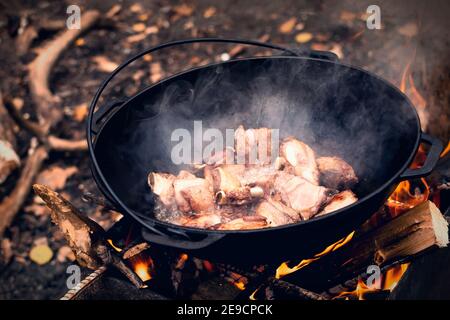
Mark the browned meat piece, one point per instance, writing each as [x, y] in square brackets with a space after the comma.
[223, 177]
[338, 201]
[276, 213]
[239, 196]
[184, 174]
[244, 223]
[226, 156]
[203, 220]
[253, 146]
[300, 194]
[194, 194]
[335, 173]
[302, 159]
[162, 185]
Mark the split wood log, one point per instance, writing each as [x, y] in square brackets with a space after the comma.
[9, 160]
[85, 237]
[402, 238]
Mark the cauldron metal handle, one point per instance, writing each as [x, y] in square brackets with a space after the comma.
[430, 162]
[93, 125]
[93, 121]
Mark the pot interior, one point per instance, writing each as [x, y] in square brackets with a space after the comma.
[336, 109]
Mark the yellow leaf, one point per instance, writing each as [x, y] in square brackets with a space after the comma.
[183, 10]
[136, 8]
[211, 11]
[80, 112]
[303, 37]
[138, 27]
[41, 254]
[287, 26]
[104, 64]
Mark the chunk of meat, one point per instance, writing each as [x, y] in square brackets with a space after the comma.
[239, 196]
[339, 201]
[276, 213]
[203, 220]
[162, 185]
[302, 159]
[300, 194]
[335, 173]
[244, 223]
[253, 146]
[223, 177]
[193, 194]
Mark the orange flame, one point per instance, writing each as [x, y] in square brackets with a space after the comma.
[404, 198]
[284, 269]
[111, 243]
[387, 282]
[446, 150]
[142, 266]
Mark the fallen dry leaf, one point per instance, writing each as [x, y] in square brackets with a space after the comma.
[303, 37]
[288, 25]
[209, 12]
[80, 42]
[408, 30]
[115, 9]
[136, 37]
[55, 177]
[347, 16]
[104, 64]
[143, 17]
[64, 254]
[136, 7]
[80, 112]
[183, 10]
[41, 254]
[155, 71]
[37, 209]
[138, 27]
[17, 103]
[151, 30]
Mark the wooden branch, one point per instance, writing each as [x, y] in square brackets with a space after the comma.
[9, 160]
[39, 71]
[13, 202]
[59, 144]
[49, 113]
[52, 142]
[85, 237]
[405, 236]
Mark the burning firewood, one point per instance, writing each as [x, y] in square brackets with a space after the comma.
[400, 239]
[84, 236]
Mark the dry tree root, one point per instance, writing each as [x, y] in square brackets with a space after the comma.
[13, 202]
[84, 236]
[49, 114]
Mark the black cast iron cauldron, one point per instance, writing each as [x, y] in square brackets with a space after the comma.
[336, 108]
